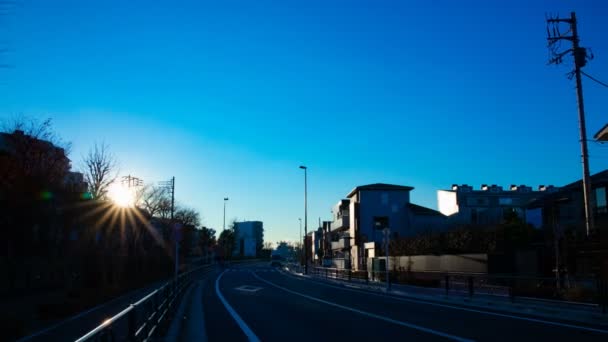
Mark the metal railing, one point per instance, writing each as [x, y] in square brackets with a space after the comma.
[586, 293]
[147, 317]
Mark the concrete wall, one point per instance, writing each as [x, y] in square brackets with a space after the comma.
[476, 263]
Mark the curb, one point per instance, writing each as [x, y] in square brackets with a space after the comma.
[546, 313]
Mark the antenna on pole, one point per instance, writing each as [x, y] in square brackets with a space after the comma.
[580, 55]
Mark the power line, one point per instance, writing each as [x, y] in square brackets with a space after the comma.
[594, 79]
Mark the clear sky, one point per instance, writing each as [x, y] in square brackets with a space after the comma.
[230, 97]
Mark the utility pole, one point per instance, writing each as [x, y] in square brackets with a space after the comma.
[171, 186]
[387, 233]
[174, 227]
[224, 225]
[554, 37]
[301, 242]
[305, 218]
[132, 181]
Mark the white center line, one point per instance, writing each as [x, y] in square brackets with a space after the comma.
[246, 330]
[365, 313]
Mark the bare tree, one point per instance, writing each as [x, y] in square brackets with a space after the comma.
[155, 200]
[100, 170]
[188, 217]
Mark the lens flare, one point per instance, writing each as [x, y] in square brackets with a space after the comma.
[121, 195]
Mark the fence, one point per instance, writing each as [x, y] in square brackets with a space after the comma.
[148, 316]
[591, 291]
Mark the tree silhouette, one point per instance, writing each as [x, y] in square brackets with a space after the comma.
[100, 170]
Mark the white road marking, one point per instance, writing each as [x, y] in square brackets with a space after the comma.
[535, 320]
[246, 330]
[248, 288]
[365, 313]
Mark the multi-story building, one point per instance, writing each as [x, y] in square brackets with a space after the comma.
[564, 208]
[249, 238]
[354, 217]
[488, 205]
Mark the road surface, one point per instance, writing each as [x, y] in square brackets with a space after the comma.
[257, 302]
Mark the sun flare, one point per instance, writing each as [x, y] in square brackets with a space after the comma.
[121, 195]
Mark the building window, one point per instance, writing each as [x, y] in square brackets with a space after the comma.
[477, 201]
[505, 201]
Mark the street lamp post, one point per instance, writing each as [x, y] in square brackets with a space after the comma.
[305, 218]
[224, 225]
[300, 219]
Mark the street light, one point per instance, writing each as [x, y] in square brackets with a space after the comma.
[300, 219]
[305, 218]
[225, 200]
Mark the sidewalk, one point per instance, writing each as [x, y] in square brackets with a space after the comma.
[188, 323]
[531, 307]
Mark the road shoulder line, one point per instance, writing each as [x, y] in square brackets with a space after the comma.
[244, 327]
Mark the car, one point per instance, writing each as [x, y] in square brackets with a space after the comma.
[276, 261]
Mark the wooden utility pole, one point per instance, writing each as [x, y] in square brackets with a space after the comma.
[554, 36]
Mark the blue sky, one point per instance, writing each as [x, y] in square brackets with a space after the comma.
[230, 97]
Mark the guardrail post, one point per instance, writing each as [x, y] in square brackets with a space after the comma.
[602, 291]
[605, 301]
[512, 290]
[471, 289]
[447, 284]
[132, 322]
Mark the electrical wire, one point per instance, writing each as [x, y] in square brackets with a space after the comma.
[594, 79]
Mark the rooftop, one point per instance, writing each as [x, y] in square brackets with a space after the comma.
[602, 134]
[380, 186]
[420, 210]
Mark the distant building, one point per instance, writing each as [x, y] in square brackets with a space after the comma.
[564, 208]
[249, 238]
[74, 182]
[353, 221]
[489, 204]
[32, 156]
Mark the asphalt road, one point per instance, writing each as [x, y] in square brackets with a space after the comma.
[256, 302]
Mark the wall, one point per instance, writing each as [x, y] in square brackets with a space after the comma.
[475, 263]
[425, 223]
[388, 203]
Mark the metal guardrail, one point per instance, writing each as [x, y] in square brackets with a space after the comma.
[150, 315]
[589, 293]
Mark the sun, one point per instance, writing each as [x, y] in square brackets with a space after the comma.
[121, 195]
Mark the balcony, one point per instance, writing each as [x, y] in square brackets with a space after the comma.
[341, 244]
[340, 224]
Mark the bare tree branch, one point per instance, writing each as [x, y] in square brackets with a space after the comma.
[188, 217]
[155, 200]
[100, 170]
